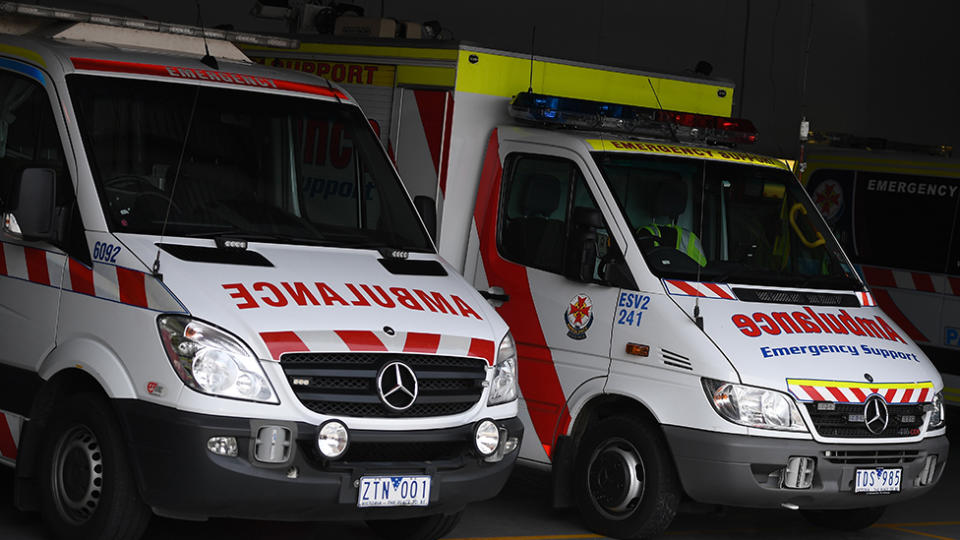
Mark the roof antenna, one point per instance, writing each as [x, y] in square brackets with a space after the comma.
[533, 40]
[673, 129]
[696, 302]
[155, 270]
[208, 58]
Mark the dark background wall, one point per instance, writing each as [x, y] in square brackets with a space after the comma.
[878, 68]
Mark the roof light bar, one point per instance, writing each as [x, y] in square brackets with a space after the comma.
[586, 114]
[31, 10]
[846, 140]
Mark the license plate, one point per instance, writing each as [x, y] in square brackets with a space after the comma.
[393, 491]
[878, 480]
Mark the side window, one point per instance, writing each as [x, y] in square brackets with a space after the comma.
[540, 195]
[904, 221]
[28, 138]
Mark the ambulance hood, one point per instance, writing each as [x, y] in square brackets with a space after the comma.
[323, 298]
[780, 346]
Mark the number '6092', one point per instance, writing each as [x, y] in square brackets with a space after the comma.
[105, 252]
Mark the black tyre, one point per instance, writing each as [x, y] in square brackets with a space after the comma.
[421, 528]
[626, 485]
[853, 519]
[86, 486]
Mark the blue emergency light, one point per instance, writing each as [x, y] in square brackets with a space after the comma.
[596, 115]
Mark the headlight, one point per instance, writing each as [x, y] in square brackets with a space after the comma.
[212, 361]
[504, 385]
[754, 407]
[938, 415]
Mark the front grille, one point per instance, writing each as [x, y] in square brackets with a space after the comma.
[344, 384]
[871, 457]
[845, 420]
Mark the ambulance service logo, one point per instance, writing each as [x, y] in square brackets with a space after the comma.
[579, 316]
[829, 199]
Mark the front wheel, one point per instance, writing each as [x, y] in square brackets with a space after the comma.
[420, 528]
[626, 484]
[845, 520]
[86, 486]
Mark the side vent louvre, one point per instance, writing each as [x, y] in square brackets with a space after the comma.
[675, 360]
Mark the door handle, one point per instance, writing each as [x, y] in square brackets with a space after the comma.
[495, 296]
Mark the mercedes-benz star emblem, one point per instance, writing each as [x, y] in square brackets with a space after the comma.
[397, 385]
[876, 415]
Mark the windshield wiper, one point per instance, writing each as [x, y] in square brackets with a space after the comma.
[239, 234]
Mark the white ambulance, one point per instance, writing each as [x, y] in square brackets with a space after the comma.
[685, 322]
[188, 329]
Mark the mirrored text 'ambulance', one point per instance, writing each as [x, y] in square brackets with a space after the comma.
[187, 328]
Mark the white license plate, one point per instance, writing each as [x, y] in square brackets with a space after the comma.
[878, 480]
[394, 491]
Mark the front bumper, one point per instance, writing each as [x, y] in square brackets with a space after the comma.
[740, 470]
[179, 477]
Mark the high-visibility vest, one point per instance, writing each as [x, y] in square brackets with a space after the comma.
[686, 242]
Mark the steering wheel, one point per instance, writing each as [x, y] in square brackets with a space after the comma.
[138, 186]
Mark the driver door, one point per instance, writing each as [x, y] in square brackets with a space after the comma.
[562, 325]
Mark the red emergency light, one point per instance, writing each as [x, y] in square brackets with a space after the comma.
[597, 115]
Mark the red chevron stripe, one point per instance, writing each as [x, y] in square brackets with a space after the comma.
[719, 291]
[812, 392]
[482, 348]
[8, 446]
[922, 282]
[81, 278]
[133, 290]
[421, 343]
[837, 393]
[282, 342]
[880, 277]
[37, 270]
[361, 341]
[686, 287]
[889, 307]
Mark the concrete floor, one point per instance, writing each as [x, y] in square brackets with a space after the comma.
[522, 512]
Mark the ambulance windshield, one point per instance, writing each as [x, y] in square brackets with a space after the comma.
[725, 222]
[251, 165]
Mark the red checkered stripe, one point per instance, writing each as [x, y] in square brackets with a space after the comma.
[856, 392]
[866, 299]
[279, 343]
[699, 289]
[9, 435]
[104, 281]
[916, 281]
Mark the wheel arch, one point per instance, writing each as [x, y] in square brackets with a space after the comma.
[63, 384]
[584, 415]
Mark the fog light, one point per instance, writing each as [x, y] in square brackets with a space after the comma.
[272, 444]
[223, 446]
[928, 472]
[798, 473]
[511, 445]
[332, 439]
[487, 437]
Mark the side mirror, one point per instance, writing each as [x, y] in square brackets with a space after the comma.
[35, 210]
[581, 259]
[428, 213]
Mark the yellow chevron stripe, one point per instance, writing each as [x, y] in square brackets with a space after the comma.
[846, 384]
